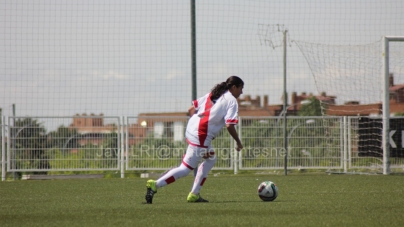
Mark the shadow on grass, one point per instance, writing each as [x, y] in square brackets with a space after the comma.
[210, 202]
[247, 201]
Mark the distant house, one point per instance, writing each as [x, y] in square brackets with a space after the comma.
[396, 97]
[354, 108]
[91, 128]
[91, 123]
[160, 125]
[296, 103]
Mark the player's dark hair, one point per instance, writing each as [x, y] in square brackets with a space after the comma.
[221, 88]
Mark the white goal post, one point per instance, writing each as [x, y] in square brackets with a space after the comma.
[386, 98]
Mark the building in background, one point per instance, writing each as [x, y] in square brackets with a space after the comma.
[173, 124]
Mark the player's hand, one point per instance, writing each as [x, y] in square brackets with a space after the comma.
[239, 146]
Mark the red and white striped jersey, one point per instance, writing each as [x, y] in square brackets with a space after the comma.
[210, 117]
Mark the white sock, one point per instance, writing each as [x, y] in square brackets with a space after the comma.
[173, 175]
[202, 174]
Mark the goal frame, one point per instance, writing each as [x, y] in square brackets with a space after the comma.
[386, 99]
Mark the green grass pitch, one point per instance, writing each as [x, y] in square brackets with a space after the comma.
[304, 200]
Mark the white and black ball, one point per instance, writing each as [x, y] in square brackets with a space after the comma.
[268, 191]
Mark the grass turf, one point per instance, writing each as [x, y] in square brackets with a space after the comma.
[304, 200]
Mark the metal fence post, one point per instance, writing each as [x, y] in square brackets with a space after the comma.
[3, 150]
[122, 150]
[345, 141]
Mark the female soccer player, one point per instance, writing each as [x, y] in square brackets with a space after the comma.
[208, 116]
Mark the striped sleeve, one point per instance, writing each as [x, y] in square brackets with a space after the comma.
[231, 116]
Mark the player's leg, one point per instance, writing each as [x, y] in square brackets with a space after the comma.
[173, 175]
[195, 171]
[189, 162]
[203, 170]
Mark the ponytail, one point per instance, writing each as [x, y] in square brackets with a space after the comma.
[221, 88]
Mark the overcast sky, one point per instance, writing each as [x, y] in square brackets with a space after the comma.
[122, 58]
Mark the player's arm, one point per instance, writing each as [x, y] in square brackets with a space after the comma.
[232, 130]
[191, 111]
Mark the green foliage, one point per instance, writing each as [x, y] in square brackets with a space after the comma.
[29, 134]
[264, 141]
[314, 108]
[399, 114]
[258, 132]
[64, 137]
[110, 148]
[29, 144]
[88, 157]
[320, 139]
[160, 152]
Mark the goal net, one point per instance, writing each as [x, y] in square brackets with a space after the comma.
[358, 83]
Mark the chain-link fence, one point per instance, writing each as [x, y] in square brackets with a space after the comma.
[98, 143]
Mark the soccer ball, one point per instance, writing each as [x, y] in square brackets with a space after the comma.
[268, 191]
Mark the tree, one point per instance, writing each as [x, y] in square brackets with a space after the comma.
[63, 137]
[29, 142]
[314, 108]
[110, 149]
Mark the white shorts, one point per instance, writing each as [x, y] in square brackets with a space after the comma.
[194, 154]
